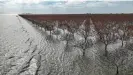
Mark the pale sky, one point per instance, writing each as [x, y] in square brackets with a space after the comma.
[65, 6]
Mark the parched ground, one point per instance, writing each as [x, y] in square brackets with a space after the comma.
[25, 51]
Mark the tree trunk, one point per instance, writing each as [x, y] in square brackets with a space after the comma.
[66, 48]
[85, 39]
[106, 51]
[50, 32]
[85, 45]
[83, 52]
[73, 35]
[122, 42]
[57, 30]
[66, 42]
[117, 70]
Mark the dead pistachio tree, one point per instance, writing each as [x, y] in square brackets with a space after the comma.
[123, 31]
[84, 32]
[69, 27]
[69, 39]
[63, 25]
[85, 66]
[74, 26]
[117, 60]
[49, 26]
[44, 23]
[56, 31]
[39, 24]
[36, 23]
[83, 45]
[114, 31]
[105, 34]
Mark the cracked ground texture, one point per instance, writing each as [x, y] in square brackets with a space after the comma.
[25, 51]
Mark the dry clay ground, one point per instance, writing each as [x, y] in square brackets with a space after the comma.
[25, 51]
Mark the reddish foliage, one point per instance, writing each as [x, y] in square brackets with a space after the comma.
[130, 27]
[95, 17]
[98, 19]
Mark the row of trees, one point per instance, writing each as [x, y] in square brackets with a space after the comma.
[109, 31]
[69, 27]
